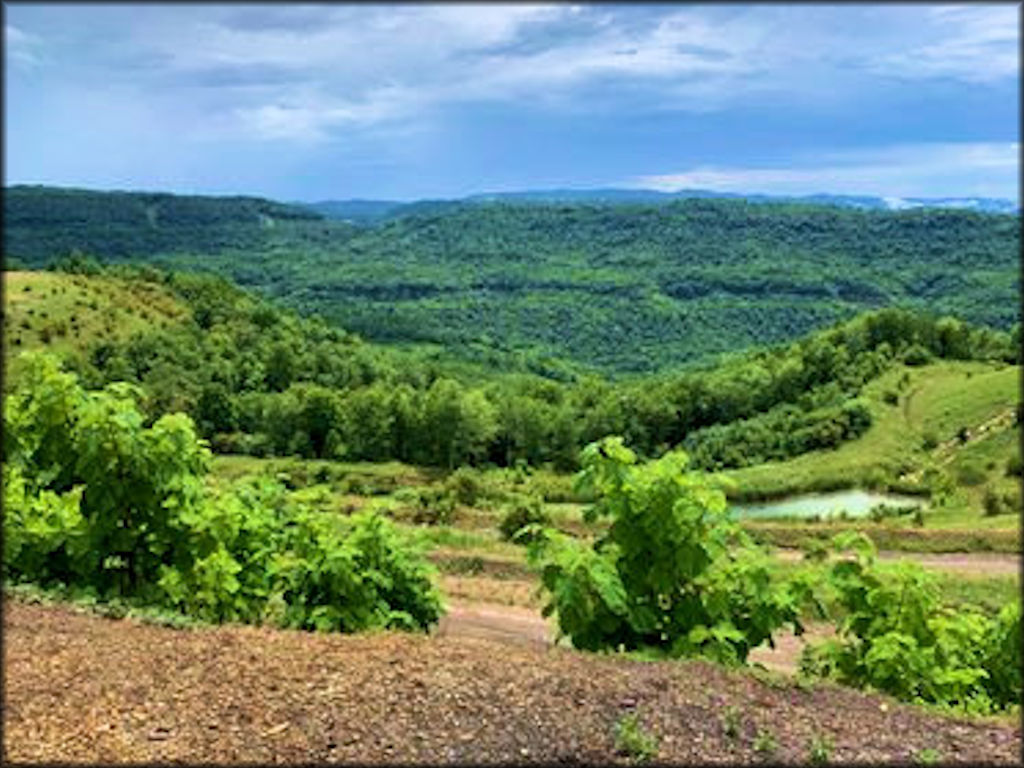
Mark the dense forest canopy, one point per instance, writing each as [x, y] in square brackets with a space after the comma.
[618, 288]
[264, 380]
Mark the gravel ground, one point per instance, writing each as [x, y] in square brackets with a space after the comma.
[82, 688]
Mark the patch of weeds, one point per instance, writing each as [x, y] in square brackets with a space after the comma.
[927, 756]
[765, 742]
[819, 749]
[164, 618]
[769, 677]
[524, 511]
[466, 566]
[731, 721]
[115, 608]
[632, 739]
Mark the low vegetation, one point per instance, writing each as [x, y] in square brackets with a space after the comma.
[896, 636]
[337, 463]
[95, 499]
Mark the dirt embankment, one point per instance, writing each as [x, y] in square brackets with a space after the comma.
[84, 688]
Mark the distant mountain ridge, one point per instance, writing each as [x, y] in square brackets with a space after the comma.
[371, 211]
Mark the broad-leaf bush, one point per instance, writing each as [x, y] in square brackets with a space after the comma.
[894, 635]
[94, 498]
[672, 574]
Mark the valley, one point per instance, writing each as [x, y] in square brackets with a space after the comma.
[392, 443]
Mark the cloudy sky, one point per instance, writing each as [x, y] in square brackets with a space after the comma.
[333, 101]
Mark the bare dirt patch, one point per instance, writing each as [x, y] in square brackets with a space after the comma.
[480, 589]
[522, 626]
[83, 688]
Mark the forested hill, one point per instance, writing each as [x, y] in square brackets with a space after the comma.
[627, 287]
[40, 222]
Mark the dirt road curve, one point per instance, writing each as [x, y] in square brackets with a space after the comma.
[526, 627]
[973, 563]
[503, 623]
[84, 688]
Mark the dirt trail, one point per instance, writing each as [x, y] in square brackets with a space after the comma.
[945, 452]
[491, 621]
[966, 563]
[969, 564]
[527, 628]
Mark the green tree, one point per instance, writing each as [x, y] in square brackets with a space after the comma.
[280, 367]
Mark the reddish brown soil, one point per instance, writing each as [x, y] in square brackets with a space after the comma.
[83, 688]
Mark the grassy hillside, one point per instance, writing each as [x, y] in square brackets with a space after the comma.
[623, 287]
[917, 431]
[71, 314]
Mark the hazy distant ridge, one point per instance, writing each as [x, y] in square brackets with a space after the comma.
[370, 211]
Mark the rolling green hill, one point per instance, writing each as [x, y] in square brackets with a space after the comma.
[41, 223]
[622, 288]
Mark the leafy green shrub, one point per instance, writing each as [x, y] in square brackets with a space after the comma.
[94, 499]
[890, 397]
[39, 529]
[349, 574]
[434, 506]
[917, 355]
[465, 485]
[765, 742]
[522, 512]
[819, 749]
[970, 473]
[1012, 500]
[992, 503]
[1013, 466]
[731, 722]
[896, 637]
[672, 573]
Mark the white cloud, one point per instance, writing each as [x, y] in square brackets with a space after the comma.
[315, 120]
[312, 71]
[917, 170]
[976, 44]
[22, 48]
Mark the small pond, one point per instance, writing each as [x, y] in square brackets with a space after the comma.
[855, 503]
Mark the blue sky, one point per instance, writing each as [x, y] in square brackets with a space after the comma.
[334, 101]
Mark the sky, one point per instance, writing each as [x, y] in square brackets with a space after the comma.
[403, 102]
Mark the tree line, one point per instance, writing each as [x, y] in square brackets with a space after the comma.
[262, 380]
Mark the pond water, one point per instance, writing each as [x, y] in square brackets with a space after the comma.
[855, 503]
